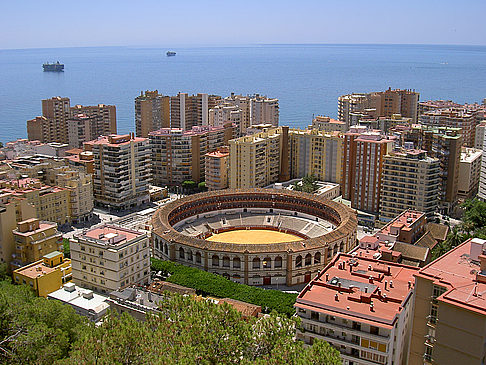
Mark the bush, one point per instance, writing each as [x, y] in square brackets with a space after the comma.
[206, 283]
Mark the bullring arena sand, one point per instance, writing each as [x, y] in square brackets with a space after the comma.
[253, 236]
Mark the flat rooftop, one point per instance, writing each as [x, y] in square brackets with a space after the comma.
[458, 271]
[35, 270]
[404, 221]
[360, 289]
[112, 235]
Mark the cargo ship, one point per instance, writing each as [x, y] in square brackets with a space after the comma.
[53, 67]
[170, 53]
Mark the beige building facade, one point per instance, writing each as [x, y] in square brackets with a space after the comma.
[34, 239]
[318, 153]
[108, 258]
[179, 155]
[121, 171]
[410, 180]
[260, 159]
[216, 169]
[449, 313]
[469, 172]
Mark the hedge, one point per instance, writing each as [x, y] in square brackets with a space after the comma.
[208, 284]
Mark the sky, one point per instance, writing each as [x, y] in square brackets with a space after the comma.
[70, 23]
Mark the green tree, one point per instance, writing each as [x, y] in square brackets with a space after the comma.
[34, 330]
[202, 186]
[473, 225]
[66, 248]
[189, 331]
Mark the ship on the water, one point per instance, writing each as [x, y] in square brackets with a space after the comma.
[53, 67]
[170, 53]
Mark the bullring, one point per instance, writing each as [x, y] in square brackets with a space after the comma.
[313, 229]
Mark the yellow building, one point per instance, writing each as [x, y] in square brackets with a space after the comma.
[46, 275]
[449, 313]
[12, 210]
[34, 239]
[316, 152]
[260, 159]
[51, 202]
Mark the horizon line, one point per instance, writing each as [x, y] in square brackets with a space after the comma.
[248, 45]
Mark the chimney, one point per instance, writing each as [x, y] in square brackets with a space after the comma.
[409, 284]
[371, 279]
[336, 298]
[327, 277]
[386, 285]
[366, 289]
[344, 265]
[391, 284]
[372, 307]
[482, 261]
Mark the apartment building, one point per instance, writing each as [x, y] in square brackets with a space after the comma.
[453, 118]
[81, 128]
[152, 112]
[57, 110]
[385, 124]
[260, 159]
[318, 153]
[445, 143]
[363, 157]
[122, 166]
[433, 105]
[105, 116]
[108, 258]
[410, 180]
[45, 276]
[80, 186]
[480, 135]
[12, 210]
[449, 311]
[179, 155]
[78, 158]
[362, 307]
[216, 169]
[51, 203]
[482, 176]
[187, 111]
[469, 173]
[378, 104]
[56, 172]
[407, 239]
[327, 124]
[34, 239]
[220, 115]
[255, 109]
[52, 126]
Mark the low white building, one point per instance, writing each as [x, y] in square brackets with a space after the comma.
[84, 301]
[108, 258]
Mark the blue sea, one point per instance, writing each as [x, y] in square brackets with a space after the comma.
[306, 78]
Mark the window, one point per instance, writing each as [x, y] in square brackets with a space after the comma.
[198, 257]
[317, 258]
[278, 262]
[374, 330]
[256, 263]
[308, 259]
[181, 253]
[226, 261]
[298, 261]
[236, 263]
[267, 263]
[215, 260]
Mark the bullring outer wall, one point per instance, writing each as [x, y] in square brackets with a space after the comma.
[254, 264]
